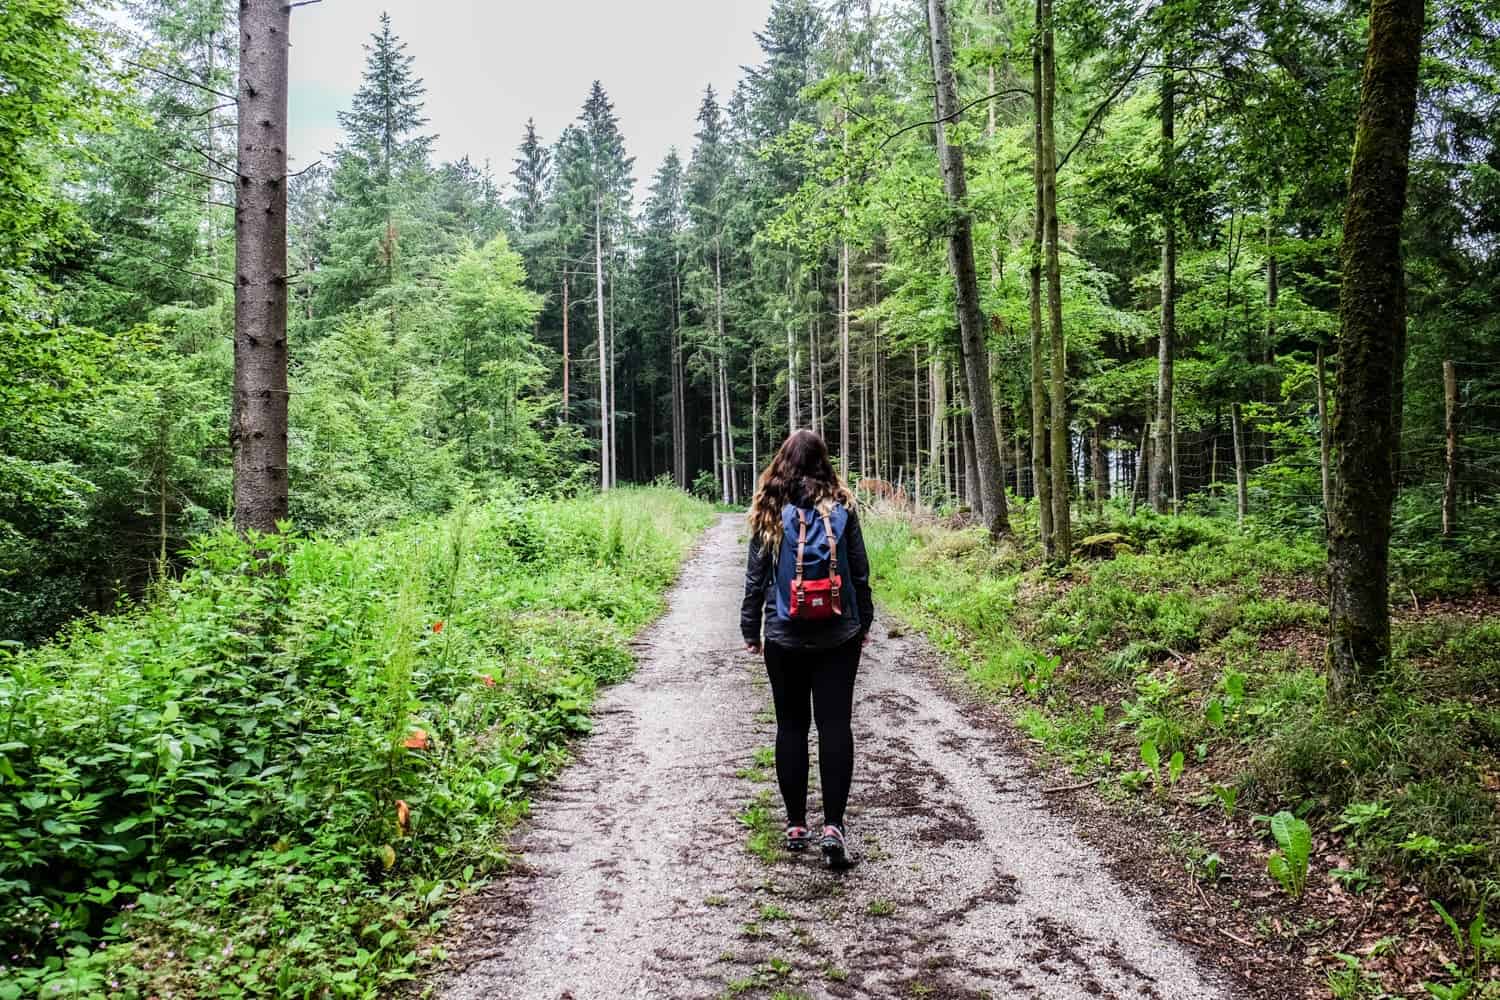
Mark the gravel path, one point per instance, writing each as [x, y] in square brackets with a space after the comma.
[636, 881]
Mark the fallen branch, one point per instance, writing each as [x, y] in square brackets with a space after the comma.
[1072, 788]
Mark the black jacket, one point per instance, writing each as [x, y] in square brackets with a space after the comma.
[760, 599]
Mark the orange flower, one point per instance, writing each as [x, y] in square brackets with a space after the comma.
[417, 740]
[403, 816]
[488, 680]
[437, 627]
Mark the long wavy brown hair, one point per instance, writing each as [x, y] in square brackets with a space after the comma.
[800, 471]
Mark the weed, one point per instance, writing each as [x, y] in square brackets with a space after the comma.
[1351, 982]
[881, 908]
[1288, 865]
[770, 911]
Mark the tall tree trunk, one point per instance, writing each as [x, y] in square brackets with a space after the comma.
[916, 411]
[565, 388]
[1100, 468]
[754, 418]
[1041, 478]
[1142, 469]
[844, 359]
[726, 441]
[1450, 451]
[793, 404]
[258, 424]
[679, 411]
[971, 329]
[1241, 474]
[1325, 469]
[1062, 496]
[606, 460]
[1162, 471]
[1372, 345]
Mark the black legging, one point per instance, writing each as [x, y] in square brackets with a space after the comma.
[825, 677]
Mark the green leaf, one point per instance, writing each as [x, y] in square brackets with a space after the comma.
[1215, 712]
[1150, 755]
[169, 713]
[1174, 768]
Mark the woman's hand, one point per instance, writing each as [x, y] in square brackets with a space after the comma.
[752, 648]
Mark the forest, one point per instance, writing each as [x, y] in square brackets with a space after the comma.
[1160, 339]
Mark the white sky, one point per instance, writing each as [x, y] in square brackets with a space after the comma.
[491, 64]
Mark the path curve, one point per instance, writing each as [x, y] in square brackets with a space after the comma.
[635, 881]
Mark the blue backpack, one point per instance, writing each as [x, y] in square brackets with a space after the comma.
[809, 587]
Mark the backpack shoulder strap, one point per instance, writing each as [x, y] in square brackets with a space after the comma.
[833, 541]
[801, 541]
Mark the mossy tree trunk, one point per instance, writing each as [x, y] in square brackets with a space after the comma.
[1372, 336]
[971, 325]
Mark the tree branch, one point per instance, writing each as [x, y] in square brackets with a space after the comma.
[221, 165]
[959, 113]
[200, 114]
[191, 83]
[189, 170]
[314, 163]
[1103, 106]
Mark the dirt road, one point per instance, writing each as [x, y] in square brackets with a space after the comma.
[636, 881]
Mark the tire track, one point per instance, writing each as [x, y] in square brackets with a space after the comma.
[636, 882]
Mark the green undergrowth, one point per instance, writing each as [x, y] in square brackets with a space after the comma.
[272, 777]
[1183, 661]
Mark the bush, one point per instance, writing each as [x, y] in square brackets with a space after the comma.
[300, 745]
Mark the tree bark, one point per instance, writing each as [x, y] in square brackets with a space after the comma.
[1101, 468]
[844, 357]
[258, 423]
[1062, 519]
[606, 461]
[1372, 339]
[565, 387]
[1450, 452]
[1325, 470]
[1241, 474]
[961, 262]
[1164, 473]
[1041, 479]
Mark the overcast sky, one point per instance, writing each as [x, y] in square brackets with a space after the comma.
[491, 64]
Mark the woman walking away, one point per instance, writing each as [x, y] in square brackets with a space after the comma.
[808, 578]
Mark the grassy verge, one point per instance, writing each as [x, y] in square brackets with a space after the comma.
[1181, 667]
[272, 783]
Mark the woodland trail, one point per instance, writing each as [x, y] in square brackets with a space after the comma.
[635, 882]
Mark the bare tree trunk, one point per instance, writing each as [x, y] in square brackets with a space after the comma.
[1101, 468]
[1324, 464]
[1041, 479]
[937, 394]
[1450, 452]
[1372, 346]
[726, 440]
[679, 383]
[606, 461]
[258, 424]
[793, 404]
[844, 357]
[1062, 494]
[916, 408]
[754, 417]
[1165, 412]
[971, 329]
[1141, 470]
[565, 389]
[1241, 474]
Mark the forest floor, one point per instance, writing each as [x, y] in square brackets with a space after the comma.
[651, 866]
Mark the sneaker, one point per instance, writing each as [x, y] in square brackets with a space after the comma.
[797, 838]
[835, 848]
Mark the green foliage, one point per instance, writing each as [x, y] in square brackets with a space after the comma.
[236, 759]
[1288, 865]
